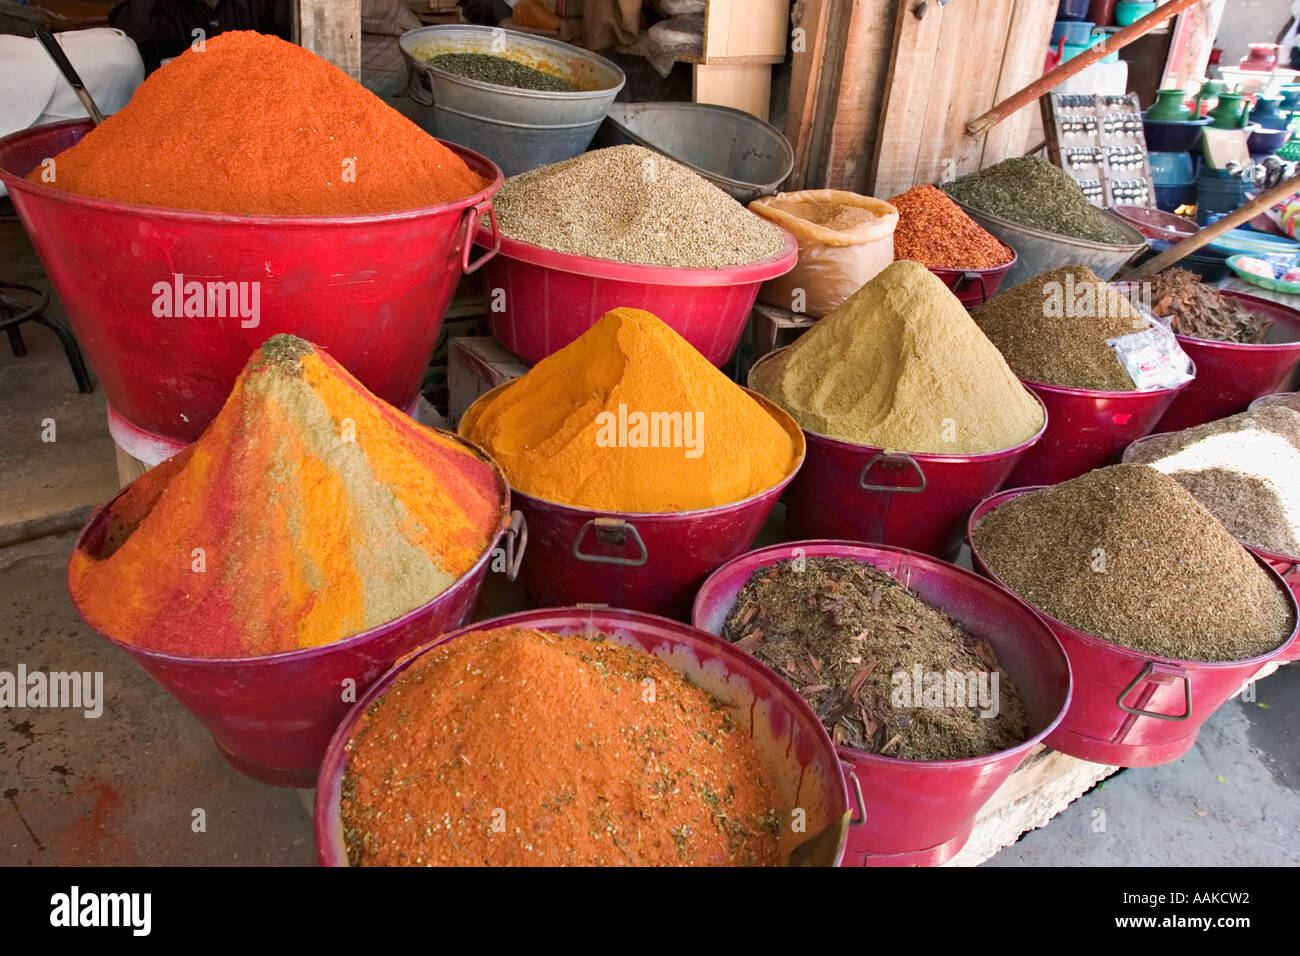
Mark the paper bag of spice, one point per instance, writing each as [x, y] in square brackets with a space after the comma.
[844, 240]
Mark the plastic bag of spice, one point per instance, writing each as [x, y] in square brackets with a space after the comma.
[844, 240]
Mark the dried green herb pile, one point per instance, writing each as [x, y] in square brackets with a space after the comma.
[1244, 468]
[1202, 311]
[1128, 555]
[1032, 192]
[839, 631]
[1053, 329]
[629, 204]
[501, 71]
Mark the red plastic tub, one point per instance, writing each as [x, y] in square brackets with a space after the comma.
[1087, 429]
[863, 493]
[272, 716]
[1129, 708]
[920, 812]
[800, 758]
[974, 287]
[550, 298]
[1229, 376]
[643, 561]
[370, 289]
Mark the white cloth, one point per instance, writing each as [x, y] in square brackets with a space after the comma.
[33, 92]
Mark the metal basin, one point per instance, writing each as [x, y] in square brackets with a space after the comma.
[518, 129]
[736, 152]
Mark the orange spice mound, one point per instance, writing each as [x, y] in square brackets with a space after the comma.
[308, 511]
[521, 747]
[936, 232]
[252, 125]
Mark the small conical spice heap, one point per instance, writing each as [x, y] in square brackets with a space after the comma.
[252, 125]
[900, 365]
[308, 511]
[1127, 555]
[629, 417]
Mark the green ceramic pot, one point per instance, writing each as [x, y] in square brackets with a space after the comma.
[1230, 112]
[1170, 107]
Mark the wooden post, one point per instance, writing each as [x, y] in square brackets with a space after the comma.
[332, 30]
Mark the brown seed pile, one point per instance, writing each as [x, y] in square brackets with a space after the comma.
[885, 672]
[1286, 400]
[630, 204]
[1243, 468]
[1053, 329]
[1127, 555]
[1203, 312]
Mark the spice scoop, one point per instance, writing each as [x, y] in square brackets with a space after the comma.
[69, 72]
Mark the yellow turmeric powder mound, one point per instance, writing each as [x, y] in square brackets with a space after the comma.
[629, 417]
[900, 365]
[308, 511]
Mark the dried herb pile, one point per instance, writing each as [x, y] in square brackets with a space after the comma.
[1203, 312]
[520, 747]
[1032, 192]
[1053, 329]
[1128, 555]
[840, 630]
[1244, 468]
[501, 71]
[933, 230]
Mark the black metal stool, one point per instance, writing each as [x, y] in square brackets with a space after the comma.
[24, 303]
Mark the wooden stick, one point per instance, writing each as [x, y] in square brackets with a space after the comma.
[1049, 81]
[1196, 240]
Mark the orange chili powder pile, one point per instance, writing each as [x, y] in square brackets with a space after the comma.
[308, 511]
[934, 231]
[253, 125]
[521, 747]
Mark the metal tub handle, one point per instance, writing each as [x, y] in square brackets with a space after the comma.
[1158, 674]
[613, 531]
[896, 458]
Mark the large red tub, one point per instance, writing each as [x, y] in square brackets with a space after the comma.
[370, 289]
[921, 812]
[1229, 376]
[271, 717]
[790, 740]
[1131, 708]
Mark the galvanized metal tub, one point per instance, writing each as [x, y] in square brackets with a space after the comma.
[519, 129]
[1041, 252]
[738, 153]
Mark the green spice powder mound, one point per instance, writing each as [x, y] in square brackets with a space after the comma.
[1053, 329]
[1127, 555]
[900, 365]
[1032, 192]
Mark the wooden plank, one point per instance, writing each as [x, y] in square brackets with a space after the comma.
[752, 28]
[1190, 45]
[1028, 36]
[810, 45]
[332, 30]
[912, 70]
[741, 86]
[860, 94]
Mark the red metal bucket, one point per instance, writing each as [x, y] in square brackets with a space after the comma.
[272, 716]
[974, 287]
[920, 812]
[550, 298]
[643, 561]
[1229, 376]
[799, 755]
[1087, 429]
[370, 289]
[1129, 708]
[863, 493]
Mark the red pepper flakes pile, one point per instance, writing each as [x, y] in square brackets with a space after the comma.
[522, 747]
[933, 230]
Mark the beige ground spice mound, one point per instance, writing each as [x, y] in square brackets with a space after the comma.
[900, 365]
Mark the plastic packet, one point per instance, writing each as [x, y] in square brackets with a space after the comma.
[1153, 358]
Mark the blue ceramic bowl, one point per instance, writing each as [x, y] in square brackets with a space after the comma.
[1076, 32]
[1172, 169]
[1164, 136]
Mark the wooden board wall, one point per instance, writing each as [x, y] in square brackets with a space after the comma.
[948, 65]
